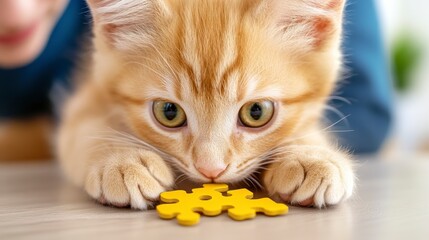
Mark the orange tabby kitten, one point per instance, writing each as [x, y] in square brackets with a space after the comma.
[216, 89]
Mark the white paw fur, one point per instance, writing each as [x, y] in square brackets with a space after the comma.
[316, 175]
[134, 178]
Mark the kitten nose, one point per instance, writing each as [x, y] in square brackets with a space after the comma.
[211, 173]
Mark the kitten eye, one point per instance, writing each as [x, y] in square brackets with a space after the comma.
[169, 114]
[256, 114]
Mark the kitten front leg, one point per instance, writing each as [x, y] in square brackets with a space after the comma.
[119, 177]
[310, 175]
[113, 174]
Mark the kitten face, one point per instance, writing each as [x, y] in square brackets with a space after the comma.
[218, 85]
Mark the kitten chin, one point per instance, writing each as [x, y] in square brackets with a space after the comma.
[215, 90]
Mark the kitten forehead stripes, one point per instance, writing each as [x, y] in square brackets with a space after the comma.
[209, 46]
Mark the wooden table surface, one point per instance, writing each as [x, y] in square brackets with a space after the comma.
[390, 202]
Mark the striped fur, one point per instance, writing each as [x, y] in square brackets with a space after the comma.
[210, 57]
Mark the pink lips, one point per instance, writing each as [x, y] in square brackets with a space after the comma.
[19, 36]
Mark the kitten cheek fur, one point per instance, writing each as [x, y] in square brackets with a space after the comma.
[210, 57]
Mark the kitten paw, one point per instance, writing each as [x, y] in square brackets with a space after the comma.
[134, 178]
[311, 176]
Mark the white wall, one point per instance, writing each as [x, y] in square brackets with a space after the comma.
[412, 109]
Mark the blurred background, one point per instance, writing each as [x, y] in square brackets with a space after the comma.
[406, 34]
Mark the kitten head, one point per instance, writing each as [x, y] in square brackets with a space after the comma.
[218, 85]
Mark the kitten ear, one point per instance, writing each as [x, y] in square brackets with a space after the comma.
[314, 24]
[125, 23]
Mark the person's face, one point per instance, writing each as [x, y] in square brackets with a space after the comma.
[25, 27]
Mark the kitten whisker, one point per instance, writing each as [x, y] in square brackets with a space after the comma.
[116, 139]
[251, 182]
[340, 131]
[147, 66]
[174, 73]
[339, 98]
[334, 110]
[181, 178]
[118, 143]
[318, 131]
[140, 141]
[245, 180]
[109, 148]
[256, 182]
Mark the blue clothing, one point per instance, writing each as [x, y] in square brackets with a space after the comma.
[369, 87]
[24, 91]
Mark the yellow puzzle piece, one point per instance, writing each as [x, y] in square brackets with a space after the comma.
[210, 201]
